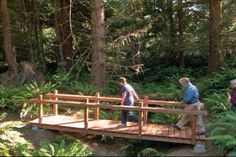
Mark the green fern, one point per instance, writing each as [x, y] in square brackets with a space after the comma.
[223, 131]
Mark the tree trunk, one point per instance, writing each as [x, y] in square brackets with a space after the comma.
[10, 57]
[172, 31]
[98, 70]
[214, 38]
[38, 36]
[64, 35]
[181, 47]
[29, 32]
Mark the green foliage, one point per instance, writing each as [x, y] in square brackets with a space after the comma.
[81, 88]
[134, 147]
[217, 82]
[112, 88]
[216, 103]
[149, 152]
[163, 118]
[223, 131]
[16, 99]
[107, 139]
[3, 116]
[4, 150]
[61, 78]
[160, 92]
[169, 75]
[63, 147]
[110, 114]
[20, 149]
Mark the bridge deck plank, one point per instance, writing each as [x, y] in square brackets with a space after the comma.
[100, 126]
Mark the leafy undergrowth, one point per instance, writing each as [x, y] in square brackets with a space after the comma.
[13, 142]
[213, 90]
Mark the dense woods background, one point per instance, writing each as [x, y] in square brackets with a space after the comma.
[112, 38]
[83, 46]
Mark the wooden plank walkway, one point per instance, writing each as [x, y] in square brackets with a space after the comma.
[154, 132]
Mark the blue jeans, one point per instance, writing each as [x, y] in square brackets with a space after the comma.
[125, 114]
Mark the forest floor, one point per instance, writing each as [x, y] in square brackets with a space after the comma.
[94, 143]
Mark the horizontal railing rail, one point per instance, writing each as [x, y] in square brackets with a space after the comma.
[121, 107]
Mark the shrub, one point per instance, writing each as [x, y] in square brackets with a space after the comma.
[81, 88]
[164, 118]
[62, 147]
[149, 152]
[4, 150]
[216, 103]
[134, 147]
[223, 131]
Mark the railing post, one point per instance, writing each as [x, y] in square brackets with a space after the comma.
[96, 110]
[86, 115]
[145, 113]
[55, 106]
[40, 108]
[140, 120]
[193, 125]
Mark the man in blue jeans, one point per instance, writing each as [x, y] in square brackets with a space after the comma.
[191, 98]
[128, 95]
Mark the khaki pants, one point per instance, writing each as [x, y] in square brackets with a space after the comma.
[186, 118]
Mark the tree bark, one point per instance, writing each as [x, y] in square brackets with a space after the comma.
[64, 35]
[38, 35]
[181, 47]
[10, 56]
[28, 26]
[214, 37]
[172, 31]
[98, 70]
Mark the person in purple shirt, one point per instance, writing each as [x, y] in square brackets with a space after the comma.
[128, 96]
[232, 95]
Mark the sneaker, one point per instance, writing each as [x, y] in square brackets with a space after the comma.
[175, 126]
[122, 126]
[200, 132]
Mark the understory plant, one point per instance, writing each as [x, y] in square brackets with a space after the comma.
[63, 146]
[223, 132]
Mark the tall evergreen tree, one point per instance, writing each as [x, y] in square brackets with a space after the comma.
[98, 54]
[9, 55]
[214, 35]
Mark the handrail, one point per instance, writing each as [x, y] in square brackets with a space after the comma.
[113, 99]
[121, 107]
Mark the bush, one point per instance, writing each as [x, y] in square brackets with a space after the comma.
[216, 83]
[62, 147]
[149, 152]
[216, 103]
[81, 88]
[4, 150]
[223, 131]
[16, 99]
[164, 118]
[134, 147]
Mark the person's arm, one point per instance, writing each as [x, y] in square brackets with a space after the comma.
[188, 95]
[229, 97]
[135, 95]
[123, 96]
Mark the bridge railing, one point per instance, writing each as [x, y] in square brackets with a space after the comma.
[94, 102]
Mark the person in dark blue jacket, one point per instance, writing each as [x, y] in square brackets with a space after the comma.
[191, 98]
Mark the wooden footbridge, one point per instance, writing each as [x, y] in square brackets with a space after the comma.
[93, 125]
